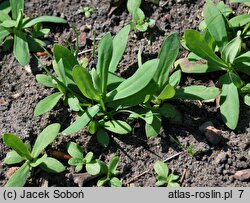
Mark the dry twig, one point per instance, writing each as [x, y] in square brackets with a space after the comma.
[165, 3]
[85, 51]
[183, 176]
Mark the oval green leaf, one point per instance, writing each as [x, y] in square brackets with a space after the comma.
[113, 165]
[132, 5]
[93, 168]
[84, 82]
[168, 53]
[231, 50]
[38, 161]
[83, 120]
[230, 105]
[75, 150]
[153, 129]
[21, 48]
[115, 182]
[74, 104]
[161, 169]
[52, 165]
[17, 144]
[167, 93]
[89, 157]
[239, 20]
[117, 126]
[46, 137]
[43, 19]
[76, 161]
[197, 92]
[135, 83]
[4, 16]
[47, 103]
[197, 44]
[103, 137]
[215, 24]
[246, 99]
[45, 80]
[102, 181]
[16, 6]
[105, 51]
[140, 97]
[119, 44]
[200, 66]
[68, 61]
[18, 179]
[13, 157]
[175, 78]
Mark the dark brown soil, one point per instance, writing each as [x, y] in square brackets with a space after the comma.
[213, 165]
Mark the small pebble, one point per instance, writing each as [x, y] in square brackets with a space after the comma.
[212, 134]
[242, 175]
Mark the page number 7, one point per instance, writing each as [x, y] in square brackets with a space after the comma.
[241, 193]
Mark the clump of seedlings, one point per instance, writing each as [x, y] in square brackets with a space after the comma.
[79, 160]
[94, 167]
[98, 95]
[22, 33]
[87, 11]
[139, 21]
[164, 178]
[165, 87]
[31, 159]
[109, 173]
[220, 46]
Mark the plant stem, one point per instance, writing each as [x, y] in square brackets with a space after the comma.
[77, 41]
[94, 43]
[102, 105]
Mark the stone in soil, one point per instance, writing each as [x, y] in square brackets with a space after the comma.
[242, 175]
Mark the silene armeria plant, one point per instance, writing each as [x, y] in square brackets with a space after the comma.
[220, 46]
[164, 177]
[165, 86]
[139, 20]
[79, 160]
[110, 173]
[105, 172]
[20, 32]
[31, 158]
[98, 95]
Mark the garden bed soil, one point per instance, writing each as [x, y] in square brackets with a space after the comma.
[212, 165]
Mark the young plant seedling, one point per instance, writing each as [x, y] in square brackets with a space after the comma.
[79, 160]
[31, 158]
[139, 21]
[214, 49]
[164, 178]
[87, 11]
[189, 150]
[165, 86]
[110, 172]
[99, 94]
[23, 33]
